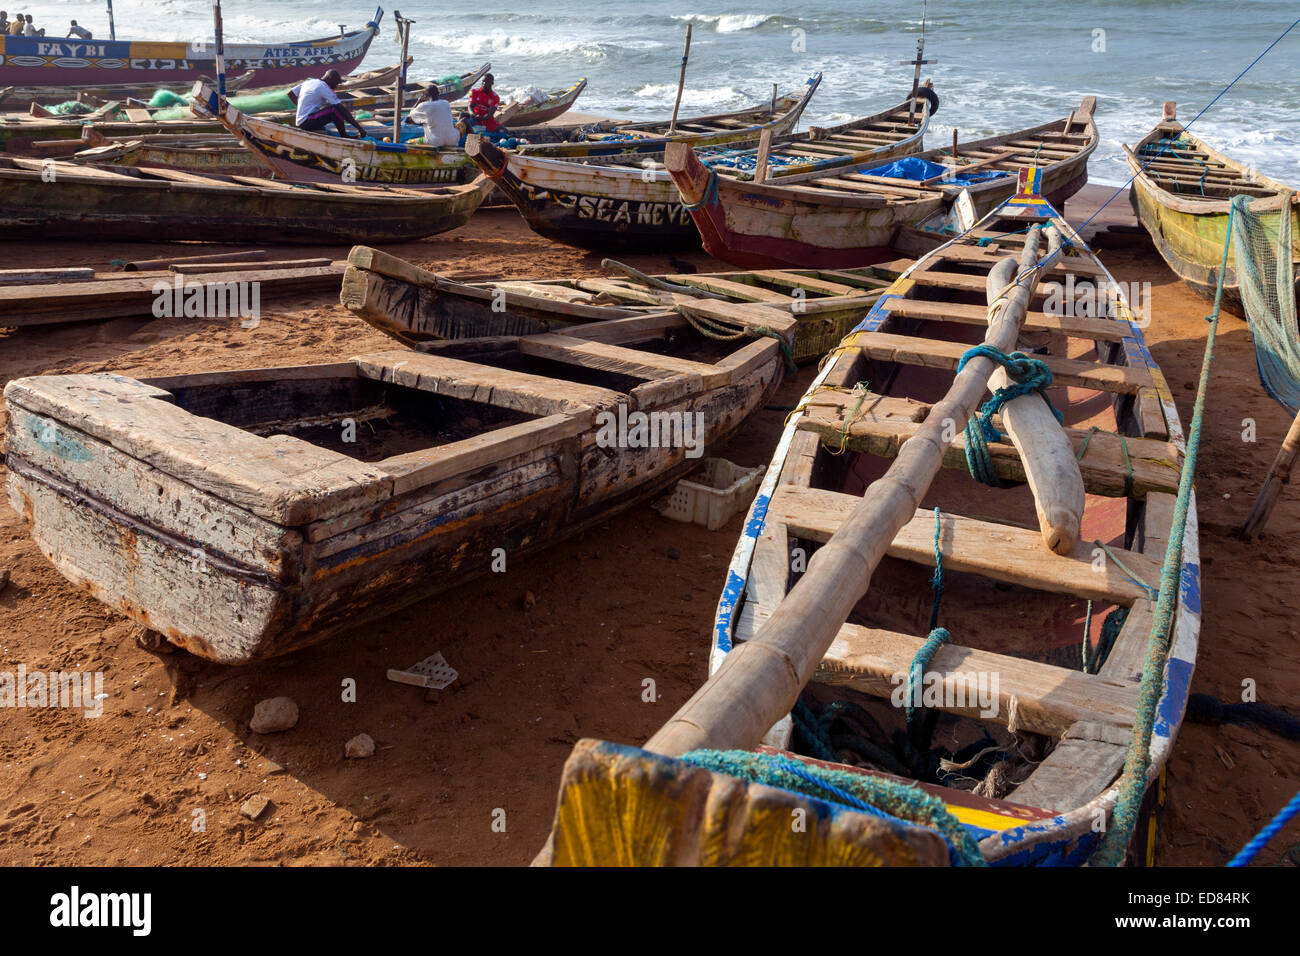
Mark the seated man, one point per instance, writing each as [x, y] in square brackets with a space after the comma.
[319, 106]
[30, 29]
[16, 28]
[4, 23]
[483, 103]
[435, 116]
[81, 33]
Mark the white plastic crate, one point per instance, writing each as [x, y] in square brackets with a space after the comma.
[712, 494]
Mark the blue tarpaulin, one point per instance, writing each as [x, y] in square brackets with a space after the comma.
[918, 169]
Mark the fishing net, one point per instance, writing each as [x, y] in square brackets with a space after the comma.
[70, 108]
[1266, 281]
[165, 98]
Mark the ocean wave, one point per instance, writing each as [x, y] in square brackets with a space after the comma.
[731, 22]
[499, 43]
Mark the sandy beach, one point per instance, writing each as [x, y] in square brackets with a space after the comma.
[551, 652]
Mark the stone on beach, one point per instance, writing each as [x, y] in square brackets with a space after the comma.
[274, 715]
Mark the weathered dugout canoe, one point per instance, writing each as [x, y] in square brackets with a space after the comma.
[602, 206]
[56, 200]
[415, 306]
[1047, 737]
[297, 155]
[205, 156]
[851, 218]
[1181, 191]
[230, 512]
[53, 61]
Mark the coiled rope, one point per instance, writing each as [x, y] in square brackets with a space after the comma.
[1028, 375]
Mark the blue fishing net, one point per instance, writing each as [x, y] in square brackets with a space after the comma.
[918, 169]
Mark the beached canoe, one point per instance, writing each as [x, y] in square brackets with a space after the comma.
[602, 206]
[857, 216]
[119, 119]
[47, 199]
[614, 141]
[245, 514]
[297, 155]
[1181, 191]
[205, 155]
[415, 306]
[832, 591]
[53, 61]
[300, 156]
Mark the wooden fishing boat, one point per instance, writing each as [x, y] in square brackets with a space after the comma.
[19, 135]
[212, 156]
[300, 156]
[614, 141]
[1024, 714]
[53, 61]
[855, 216]
[46, 199]
[605, 206]
[1181, 191]
[233, 513]
[415, 306]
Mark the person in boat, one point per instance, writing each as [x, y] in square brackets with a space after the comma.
[434, 115]
[483, 103]
[81, 33]
[16, 28]
[30, 29]
[4, 23]
[319, 106]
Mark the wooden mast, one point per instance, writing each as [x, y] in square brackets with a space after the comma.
[761, 679]
[681, 82]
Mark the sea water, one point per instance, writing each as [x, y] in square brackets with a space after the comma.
[997, 66]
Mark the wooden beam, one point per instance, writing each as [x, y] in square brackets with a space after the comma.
[995, 551]
[935, 353]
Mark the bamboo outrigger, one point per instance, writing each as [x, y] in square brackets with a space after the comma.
[414, 305]
[601, 205]
[825, 606]
[244, 514]
[1181, 192]
[853, 216]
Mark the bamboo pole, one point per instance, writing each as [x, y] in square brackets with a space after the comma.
[220, 52]
[404, 29]
[681, 82]
[761, 679]
[1278, 476]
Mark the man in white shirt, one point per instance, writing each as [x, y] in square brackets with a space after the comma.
[319, 106]
[435, 116]
[81, 33]
[30, 30]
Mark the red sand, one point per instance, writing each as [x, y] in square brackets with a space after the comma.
[174, 738]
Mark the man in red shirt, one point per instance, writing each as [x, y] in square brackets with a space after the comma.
[483, 103]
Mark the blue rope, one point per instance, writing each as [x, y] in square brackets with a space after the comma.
[858, 791]
[938, 637]
[710, 193]
[1028, 375]
[936, 579]
[1251, 849]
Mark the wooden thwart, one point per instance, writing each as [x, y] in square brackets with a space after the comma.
[996, 551]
